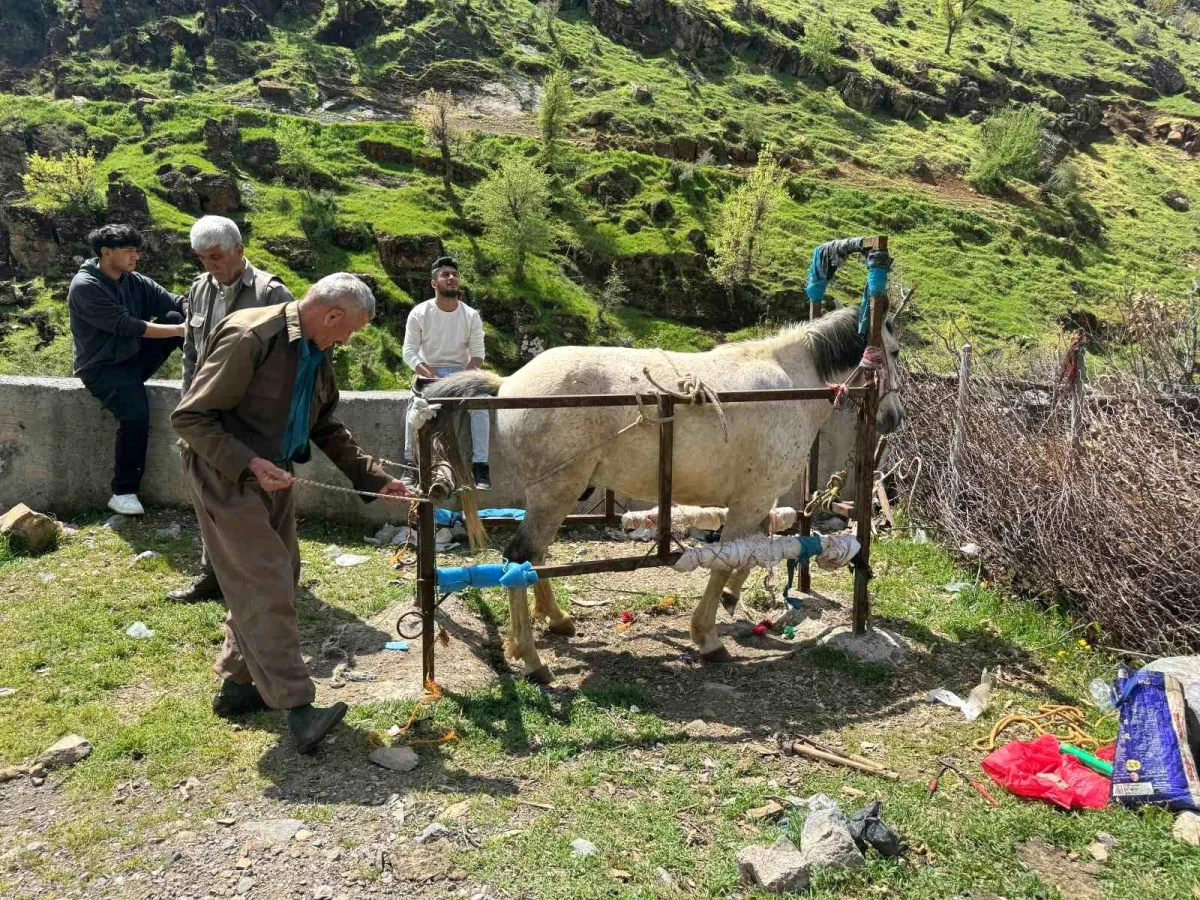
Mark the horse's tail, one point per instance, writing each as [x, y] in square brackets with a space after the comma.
[471, 383]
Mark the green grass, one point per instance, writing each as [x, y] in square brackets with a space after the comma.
[648, 795]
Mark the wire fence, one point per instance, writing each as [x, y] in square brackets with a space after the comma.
[1089, 499]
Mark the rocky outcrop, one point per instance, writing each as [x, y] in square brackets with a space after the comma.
[386, 152]
[364, 20]
[127, 203]
[42, 244]
[1161, 74]
[275, 91]
[190, 189]
[864, 94]
[297, 252]
[23, 36]
[409, 259]
[654, 26]
[235, 22]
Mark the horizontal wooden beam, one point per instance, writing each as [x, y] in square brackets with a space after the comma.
[562, 401]
[596, 566]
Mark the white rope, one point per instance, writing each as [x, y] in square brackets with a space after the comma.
[421, 411]
[707, 518]
[766, 552]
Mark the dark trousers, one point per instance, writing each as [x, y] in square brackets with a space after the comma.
[121, 388]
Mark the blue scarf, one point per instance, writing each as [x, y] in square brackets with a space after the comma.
[295, 437]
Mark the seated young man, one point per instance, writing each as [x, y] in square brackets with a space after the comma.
[125, 326]
[443, 336]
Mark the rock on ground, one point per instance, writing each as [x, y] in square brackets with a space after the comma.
[398, 759]
[271, 831]
[1187, 828]
[777, 868]
[582, 848]
[826, 841]
[66, 752]
[37, 531]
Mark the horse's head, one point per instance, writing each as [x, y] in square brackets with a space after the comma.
[837, 348]
[891, 409]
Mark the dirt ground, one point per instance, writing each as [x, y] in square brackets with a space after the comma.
[210, 843]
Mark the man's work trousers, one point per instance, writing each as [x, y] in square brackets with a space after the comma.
[250, 540]
[121, 388]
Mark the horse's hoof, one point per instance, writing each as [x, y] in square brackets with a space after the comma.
[729, 601]
[541, 675]
[564, 626]
[713, 657]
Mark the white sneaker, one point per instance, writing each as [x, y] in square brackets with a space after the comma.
[125, 504]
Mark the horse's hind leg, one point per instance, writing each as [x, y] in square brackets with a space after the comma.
[732, 592]
[546, 505]
[546, 607]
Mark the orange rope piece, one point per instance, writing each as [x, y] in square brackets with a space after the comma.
[1069, 719]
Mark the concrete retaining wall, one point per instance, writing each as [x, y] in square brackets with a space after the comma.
[56, 451]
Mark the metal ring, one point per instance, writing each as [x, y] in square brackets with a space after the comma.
[413, 635]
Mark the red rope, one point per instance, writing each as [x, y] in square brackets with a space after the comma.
[1070, 369]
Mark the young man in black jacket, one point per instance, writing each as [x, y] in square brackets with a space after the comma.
[125, 326]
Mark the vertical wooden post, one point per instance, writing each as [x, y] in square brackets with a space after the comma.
[964, 403]
[1077, 409]
[610, 504]
[810, 480]
[426, 555]
[666, 452]
[863, 504]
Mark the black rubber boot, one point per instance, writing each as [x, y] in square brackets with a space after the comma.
[310, 724]
[204, 588]
[237, 700]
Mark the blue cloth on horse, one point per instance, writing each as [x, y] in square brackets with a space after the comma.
[455, 578]
[447, 518]
[499, 513]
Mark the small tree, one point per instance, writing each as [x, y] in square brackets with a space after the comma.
[612, 295]
[552, 118]
[550, 10]
[1011, 142]
[181, 77]
[743, 215]
[435, 114]
[819, 44]
[953, 14]
[514, 203]
[62, 184]
[318, 214]
[754, 126]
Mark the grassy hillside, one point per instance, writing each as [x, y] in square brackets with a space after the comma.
[653, 81]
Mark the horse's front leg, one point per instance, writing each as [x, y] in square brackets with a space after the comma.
[520, 638]
[739, 522]
[704, 620]
[546, 607]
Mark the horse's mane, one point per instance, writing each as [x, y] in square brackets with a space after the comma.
[833, 340]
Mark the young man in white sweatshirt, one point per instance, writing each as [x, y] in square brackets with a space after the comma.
[443, 336]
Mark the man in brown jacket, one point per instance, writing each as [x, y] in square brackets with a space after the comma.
[265, 389]
[229, 283]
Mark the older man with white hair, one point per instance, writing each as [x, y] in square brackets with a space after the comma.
[229, 283]
[265, 389]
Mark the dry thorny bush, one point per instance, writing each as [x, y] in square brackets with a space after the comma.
[1107, 525]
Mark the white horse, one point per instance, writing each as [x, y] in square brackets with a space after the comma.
[560, 452]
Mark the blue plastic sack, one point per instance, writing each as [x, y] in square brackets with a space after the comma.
[1153, 762]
